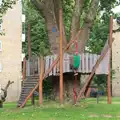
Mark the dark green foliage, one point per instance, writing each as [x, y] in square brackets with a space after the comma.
[6, 4]
[100, 30]
[98, 36]
[39, 38]
[47, 88]
[100, 33]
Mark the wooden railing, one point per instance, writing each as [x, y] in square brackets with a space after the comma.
[87, 62]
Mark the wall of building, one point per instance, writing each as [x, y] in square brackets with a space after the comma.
[116, 61]
[10, 56]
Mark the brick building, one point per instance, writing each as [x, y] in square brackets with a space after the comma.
[116, 61]
[11, 51]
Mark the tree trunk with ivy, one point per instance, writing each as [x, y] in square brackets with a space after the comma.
[50, 12]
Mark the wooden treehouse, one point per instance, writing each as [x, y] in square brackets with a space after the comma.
[38, 69]
[33, 66]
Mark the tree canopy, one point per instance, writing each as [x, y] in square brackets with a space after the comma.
[99, 26]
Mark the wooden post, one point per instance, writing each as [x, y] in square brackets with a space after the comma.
[29, 56]
[88, 92]
[109, 65]
[41, 80]
[24, 69]
[29, 43]
[61, 57]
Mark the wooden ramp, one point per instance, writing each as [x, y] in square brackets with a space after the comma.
[28, 85]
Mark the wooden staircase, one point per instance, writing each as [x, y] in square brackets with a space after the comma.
[28, 85]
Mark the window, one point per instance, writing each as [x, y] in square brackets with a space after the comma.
[23, 56]
[23, 18]
[0, 45]
[23, 37]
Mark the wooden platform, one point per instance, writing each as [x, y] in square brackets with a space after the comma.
[87, 62]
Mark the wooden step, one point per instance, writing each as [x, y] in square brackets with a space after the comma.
[32, 77]
[35, 80]
[28, 87]
[26, 83]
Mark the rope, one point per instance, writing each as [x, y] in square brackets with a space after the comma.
[75, 80]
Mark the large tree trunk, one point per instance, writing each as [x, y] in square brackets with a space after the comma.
[50, 11]
[68, 87]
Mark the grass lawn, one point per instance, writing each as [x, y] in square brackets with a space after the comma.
[87, 110]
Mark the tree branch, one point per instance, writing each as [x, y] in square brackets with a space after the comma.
[90, 16]
[88, 22]
[75, 26]
[5, 90]
[57, 6]
[8, 84]
[38, 4]
[50, 12]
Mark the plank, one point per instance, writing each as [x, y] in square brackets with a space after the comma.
[24, 69]
[61, 54]
[80, 68]
[55, 68]
[51, 61]
[89, 79]
[47, 63]
[28, 67]
[40, 82]
[39, 65]
[87, 56]
[64, 60]
[68, 63]
[83, 63]
[89, 63]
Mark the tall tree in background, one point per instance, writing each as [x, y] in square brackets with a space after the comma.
[39, 38]
[77, 14]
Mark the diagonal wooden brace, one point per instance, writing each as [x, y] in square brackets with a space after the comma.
[89, 79]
